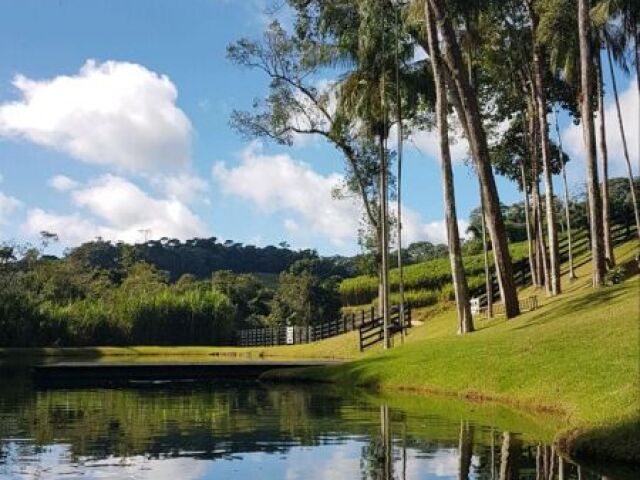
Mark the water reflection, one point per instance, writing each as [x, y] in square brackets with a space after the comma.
[215, 430]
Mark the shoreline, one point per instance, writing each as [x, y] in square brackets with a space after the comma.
[602, 442]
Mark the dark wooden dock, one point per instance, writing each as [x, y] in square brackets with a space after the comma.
[100, 373]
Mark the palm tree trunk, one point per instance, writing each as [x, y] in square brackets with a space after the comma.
[567, 212]
[480, 153]
[465, 320]
[488, 284]
[543, 128]
[399, 180]
[541, 248]
[624, 139]
[593, 192]
[384, 233]
[604, 163]
[527, 220]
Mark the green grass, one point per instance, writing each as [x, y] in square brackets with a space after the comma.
[576, 355]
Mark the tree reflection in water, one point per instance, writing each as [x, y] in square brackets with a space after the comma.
[346, 433]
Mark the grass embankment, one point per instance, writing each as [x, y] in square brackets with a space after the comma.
[577, 355]
[343, 347]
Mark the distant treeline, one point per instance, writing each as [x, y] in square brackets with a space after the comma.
[198, 256]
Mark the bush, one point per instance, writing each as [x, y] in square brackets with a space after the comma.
[196, 317]
[170, 318]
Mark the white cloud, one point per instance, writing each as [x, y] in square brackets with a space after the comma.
[279, 183]
[574, 145]
[62, 183]
[112, 113]
[185, 187]
[118, 210]
[427, 142]
[8, 205]
[414, 230]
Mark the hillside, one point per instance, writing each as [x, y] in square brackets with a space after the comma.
[576, 355]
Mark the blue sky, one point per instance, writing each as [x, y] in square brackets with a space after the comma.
[114, 119]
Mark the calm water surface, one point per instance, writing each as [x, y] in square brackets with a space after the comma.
[209, 430]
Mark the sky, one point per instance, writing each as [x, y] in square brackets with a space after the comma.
[114, 123]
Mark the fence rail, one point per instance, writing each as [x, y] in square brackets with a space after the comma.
[526, 304]
[293, 335]
[372, 332]
[622, 230]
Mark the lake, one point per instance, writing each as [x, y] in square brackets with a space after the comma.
[207, 429]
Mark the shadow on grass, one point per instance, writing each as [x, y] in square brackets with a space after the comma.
[37, 355]
[594, 299]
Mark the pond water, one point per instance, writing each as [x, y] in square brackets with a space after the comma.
[226, 430]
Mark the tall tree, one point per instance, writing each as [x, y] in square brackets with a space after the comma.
[567, 209]
[476, 135]
[297, 106]
[538, 81]
[593, 191]
[604, 161]
[400, 131]
[465, 320]
[624, 141]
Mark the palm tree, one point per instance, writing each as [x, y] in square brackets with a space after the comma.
[593, 192]
[540, 245]
[624, 141]
[465, 320]
[572, 273]
[604, 162]
[539, 71]
[363, 95]
[399, 165]
[476, 135]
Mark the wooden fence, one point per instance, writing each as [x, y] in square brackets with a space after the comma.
[622, 229]
[372, 332]
[293, 335]
[526, 304]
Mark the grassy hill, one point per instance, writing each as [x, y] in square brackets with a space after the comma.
[425, 283]
[576, 355]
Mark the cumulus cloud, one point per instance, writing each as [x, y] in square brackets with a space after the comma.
[8, 205]
[117, 210]
[280, 183]
[427, 142]
[113, 113]
[185, 187]
[414, 230]
[629, 105]
[62, 183]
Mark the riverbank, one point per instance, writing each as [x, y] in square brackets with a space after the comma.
[577, 356]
